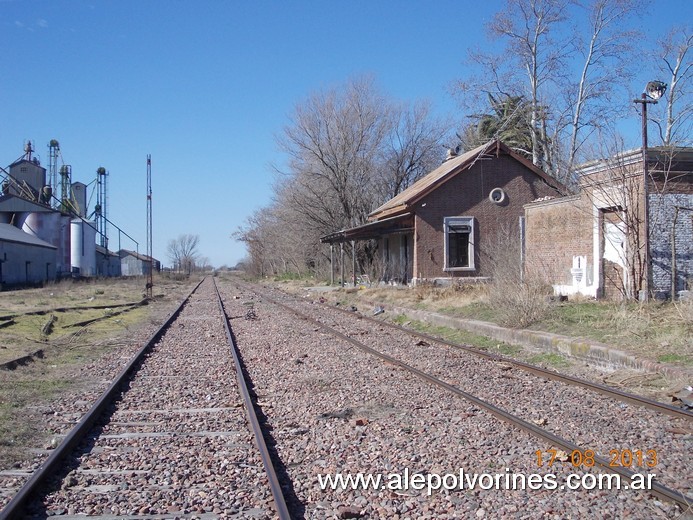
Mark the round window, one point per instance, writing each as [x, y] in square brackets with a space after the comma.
[497, 195]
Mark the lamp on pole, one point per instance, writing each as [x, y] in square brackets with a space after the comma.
[653, 91]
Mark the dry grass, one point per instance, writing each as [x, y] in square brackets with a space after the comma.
[517, 302]
[685, 312]
[72, 293]
[658, 331]
[26, 334]
[30, 388]
[429, 295]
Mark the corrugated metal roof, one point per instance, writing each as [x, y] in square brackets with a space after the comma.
[438, 175]
[445, 172]
[10, 233]
[102, 250]
[12, 203]
[371, 229]
[126, 252]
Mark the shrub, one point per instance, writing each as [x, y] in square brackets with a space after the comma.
[517, 300]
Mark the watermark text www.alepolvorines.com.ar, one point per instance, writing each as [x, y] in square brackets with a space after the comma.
[461, 480]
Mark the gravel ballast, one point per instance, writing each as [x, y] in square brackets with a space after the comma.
[177, 444]
[334, 408]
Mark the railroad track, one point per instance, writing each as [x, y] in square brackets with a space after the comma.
[169, 437]
[329, 409]
[608, 452]
[608, 391]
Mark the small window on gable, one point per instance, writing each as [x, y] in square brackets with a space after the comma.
[459, 243]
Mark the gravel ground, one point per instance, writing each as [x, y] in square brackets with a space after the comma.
[55, 418]
[177, 440]
[585, 418]
[177, 444]
[333, 408]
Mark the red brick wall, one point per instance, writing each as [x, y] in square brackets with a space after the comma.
[554, 233]
[467, 195]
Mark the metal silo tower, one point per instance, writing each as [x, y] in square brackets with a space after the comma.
[65, 184]
[100, 211]
[53, 152]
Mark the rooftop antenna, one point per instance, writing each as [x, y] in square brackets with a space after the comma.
[28, 150]
[101, 204]
[53, 152]
[150, 271]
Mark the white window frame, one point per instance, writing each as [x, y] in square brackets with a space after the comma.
[449, 222]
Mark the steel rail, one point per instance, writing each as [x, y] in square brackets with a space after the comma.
[658, 490]
[543, 372]
[14, 508]
[277, 493]
[614, 393]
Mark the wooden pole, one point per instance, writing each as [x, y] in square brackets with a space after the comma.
[341, 264]
[353, 260]
[331, 263]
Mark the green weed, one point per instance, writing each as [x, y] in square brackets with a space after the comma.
[551, 359]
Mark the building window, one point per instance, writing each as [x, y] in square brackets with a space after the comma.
[497, 196]
[459, 243]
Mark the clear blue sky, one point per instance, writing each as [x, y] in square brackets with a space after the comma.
[205, 86]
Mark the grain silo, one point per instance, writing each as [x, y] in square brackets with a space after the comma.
[79, 198]
[83, 247]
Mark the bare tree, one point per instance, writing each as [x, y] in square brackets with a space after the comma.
[253, 235]
[537, 64]
[203, 264]
[674, 61]
[605, 51]
[182, 252]
[411, 148]
[527, 27]
[350, 148]
[279, 242]
[333, 141]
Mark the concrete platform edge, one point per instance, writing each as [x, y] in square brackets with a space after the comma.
[572, 347]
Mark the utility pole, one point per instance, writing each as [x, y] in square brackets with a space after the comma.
[653, 91]
[150, 272]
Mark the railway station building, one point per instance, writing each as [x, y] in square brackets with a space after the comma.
[597, 242]
[455, 222]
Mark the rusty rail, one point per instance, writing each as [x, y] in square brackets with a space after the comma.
[277, 493]
[15, 507]
[657, 490]
[614, 393]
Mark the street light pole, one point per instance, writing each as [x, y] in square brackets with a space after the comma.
[653, 91]
[646, 202]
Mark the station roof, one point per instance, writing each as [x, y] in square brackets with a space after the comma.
[446, 171]
[398, 224]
